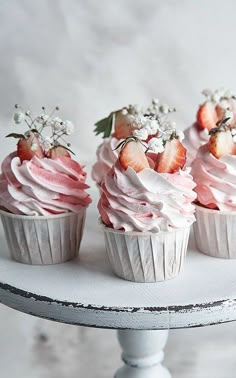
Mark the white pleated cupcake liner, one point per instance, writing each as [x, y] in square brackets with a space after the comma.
[146, 256]
[43, 240]
[215, 232]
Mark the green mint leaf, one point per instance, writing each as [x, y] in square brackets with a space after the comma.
[15, 135]
[225, 120]
[34, 131]
[105, 126]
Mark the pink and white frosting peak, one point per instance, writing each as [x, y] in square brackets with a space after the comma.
[42, 186]
[148, 200]
[215, 179]
[106, 158]
[194, 138]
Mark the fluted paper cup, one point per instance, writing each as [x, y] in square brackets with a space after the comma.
[43, 240]
[146, 256]
[215, 232]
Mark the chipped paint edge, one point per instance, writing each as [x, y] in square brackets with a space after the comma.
[147, 318]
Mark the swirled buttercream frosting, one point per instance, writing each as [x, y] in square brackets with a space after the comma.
[148, 200]
[42, 186]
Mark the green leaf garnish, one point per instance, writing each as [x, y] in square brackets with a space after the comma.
[68, 149]
[127, 140]
[225, 120]
[15, 135]
[105, 126]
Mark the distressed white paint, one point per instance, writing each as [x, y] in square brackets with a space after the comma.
[98, 298]
[142, 354]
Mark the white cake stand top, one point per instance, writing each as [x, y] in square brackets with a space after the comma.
[86, 292]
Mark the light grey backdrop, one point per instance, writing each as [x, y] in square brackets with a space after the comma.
[94, 56]
[91, 57]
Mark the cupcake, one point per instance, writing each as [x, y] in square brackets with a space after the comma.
[43, 196]
[209, 113]
[146, 207]
[214, 171]
[119, 125]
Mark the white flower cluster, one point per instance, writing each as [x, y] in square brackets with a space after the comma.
[58, 127]
[230, 115]
[158, 109]
[218, 96]
[153, 125]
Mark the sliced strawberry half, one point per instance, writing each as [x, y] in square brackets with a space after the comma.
[221, 143]
[58, 151]
[123, 126]
[133, 155]
[172, 158]
[207, 116]
[29, 147]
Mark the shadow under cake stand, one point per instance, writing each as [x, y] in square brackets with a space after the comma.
[85, 292]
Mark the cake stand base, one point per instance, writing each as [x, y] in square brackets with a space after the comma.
[142, 354]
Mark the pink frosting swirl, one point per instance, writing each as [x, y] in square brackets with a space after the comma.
[147, 201]
[215, 179]
[106, 158]
[194, 138]
[42, 186]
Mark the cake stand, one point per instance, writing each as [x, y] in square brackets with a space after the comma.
[85, 292]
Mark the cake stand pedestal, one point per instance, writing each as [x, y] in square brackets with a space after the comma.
[86, 292]
[142, 354]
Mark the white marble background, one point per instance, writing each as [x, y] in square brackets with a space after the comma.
[91, 57]
[94, 56]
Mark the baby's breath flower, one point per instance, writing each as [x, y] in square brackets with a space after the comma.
[228, 114]
[164, 109]
[224, 104]
[227, 93]
[207, 92]
[141, 134]
[233, 132]
[19, 117]
[220, 91]
[140, 121]
[155, 101]
[134, 109]
[152, 126]
[43, 118]
[156, 145]
[69, 127]
[41, 122]
[216, 97]
[57, 124]
[180, 135]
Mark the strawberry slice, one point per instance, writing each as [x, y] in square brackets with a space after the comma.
[133, 155]
[29, 147]
[207, 116]
[152, 157]
[58, 151]
[123, 126]
[220, 112]
[172, 159]
[221, 143]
